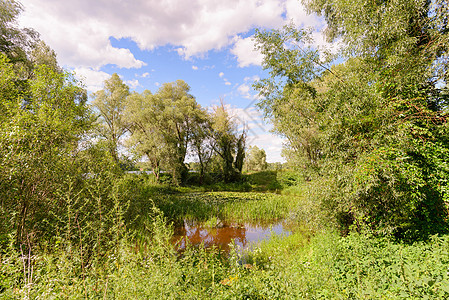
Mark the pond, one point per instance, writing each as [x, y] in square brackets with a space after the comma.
[222, 234]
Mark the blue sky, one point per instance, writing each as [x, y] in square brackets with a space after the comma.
[206, 43]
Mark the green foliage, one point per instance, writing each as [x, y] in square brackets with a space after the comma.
[110, 102]
[259, 207]
[230, 148]
[374, 128]
[361, 266]
[38, 147]
[264, 181]
[256, 159]
[227, 206]
[202, 146]
[287, 178]
[164, 125]
[368, 138]
[42, 54]
[15, 42]
[294, 267]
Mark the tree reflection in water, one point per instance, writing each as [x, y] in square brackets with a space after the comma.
[221, 236]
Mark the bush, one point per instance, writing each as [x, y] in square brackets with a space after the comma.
[287, 178]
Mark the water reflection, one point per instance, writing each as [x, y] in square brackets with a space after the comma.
[221, 236]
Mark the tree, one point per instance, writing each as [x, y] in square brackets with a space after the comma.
[289, 94]
[42, 54]
[110, 102]
[240, 152]
[373, 129]
[163, 126]
[403, 45]
[202, 144]
[256, 159]
[226, 143]
[180, 113]
[15, 43]
[38, 145]
[52, 179]
[142, 113]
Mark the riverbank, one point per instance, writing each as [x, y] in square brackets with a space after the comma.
[144, 261]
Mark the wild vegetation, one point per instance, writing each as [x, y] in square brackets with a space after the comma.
[366, 192]
[371, 132]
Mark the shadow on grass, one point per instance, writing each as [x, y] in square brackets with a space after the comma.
[264, 181]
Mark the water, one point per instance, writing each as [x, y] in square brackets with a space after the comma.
[223, 234]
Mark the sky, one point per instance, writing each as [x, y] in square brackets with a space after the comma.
[206, 43]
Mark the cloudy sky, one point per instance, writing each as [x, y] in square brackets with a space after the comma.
[206, 43]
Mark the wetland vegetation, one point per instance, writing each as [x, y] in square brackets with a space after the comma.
[362, 200]
[144, 253]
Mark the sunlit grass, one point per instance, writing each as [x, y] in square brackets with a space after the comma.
[298, 266]
[306, 264]
[230, 206]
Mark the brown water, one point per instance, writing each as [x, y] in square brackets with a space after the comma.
[223, 234]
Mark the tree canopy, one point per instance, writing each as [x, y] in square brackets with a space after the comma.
[372, 129]
[256, 159]
[163, 126]
[110, 103]
[15, 42]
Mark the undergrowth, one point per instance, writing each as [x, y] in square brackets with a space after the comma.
[299, 266]
[231, 206]
[141, 262]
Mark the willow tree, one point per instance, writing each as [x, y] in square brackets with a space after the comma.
[229, 146]
[110, 102]
[163, 124]
[39, 132]
[256, 159]
[15, 42]
[373, 129]
[201, 143]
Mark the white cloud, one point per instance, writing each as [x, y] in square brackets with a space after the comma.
[79, 31]
[91, 78]
[297, 13]
[271, 143]
[194, 68]
[244, 51]
[252, 78]
[250, 118]
[244, 48]
[217, 22]
[320, 42]
[133, 83]
[145, 75]
[226, 81]
[78, 43]
[258, 133]
[244, 90]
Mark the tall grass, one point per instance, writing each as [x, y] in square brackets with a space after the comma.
[299, 266]
[258, 207]
[230, 206]
[128, 253]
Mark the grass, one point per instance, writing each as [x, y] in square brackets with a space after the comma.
[299, 266]
[308, 264]
[264, 181]
[229, 206]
